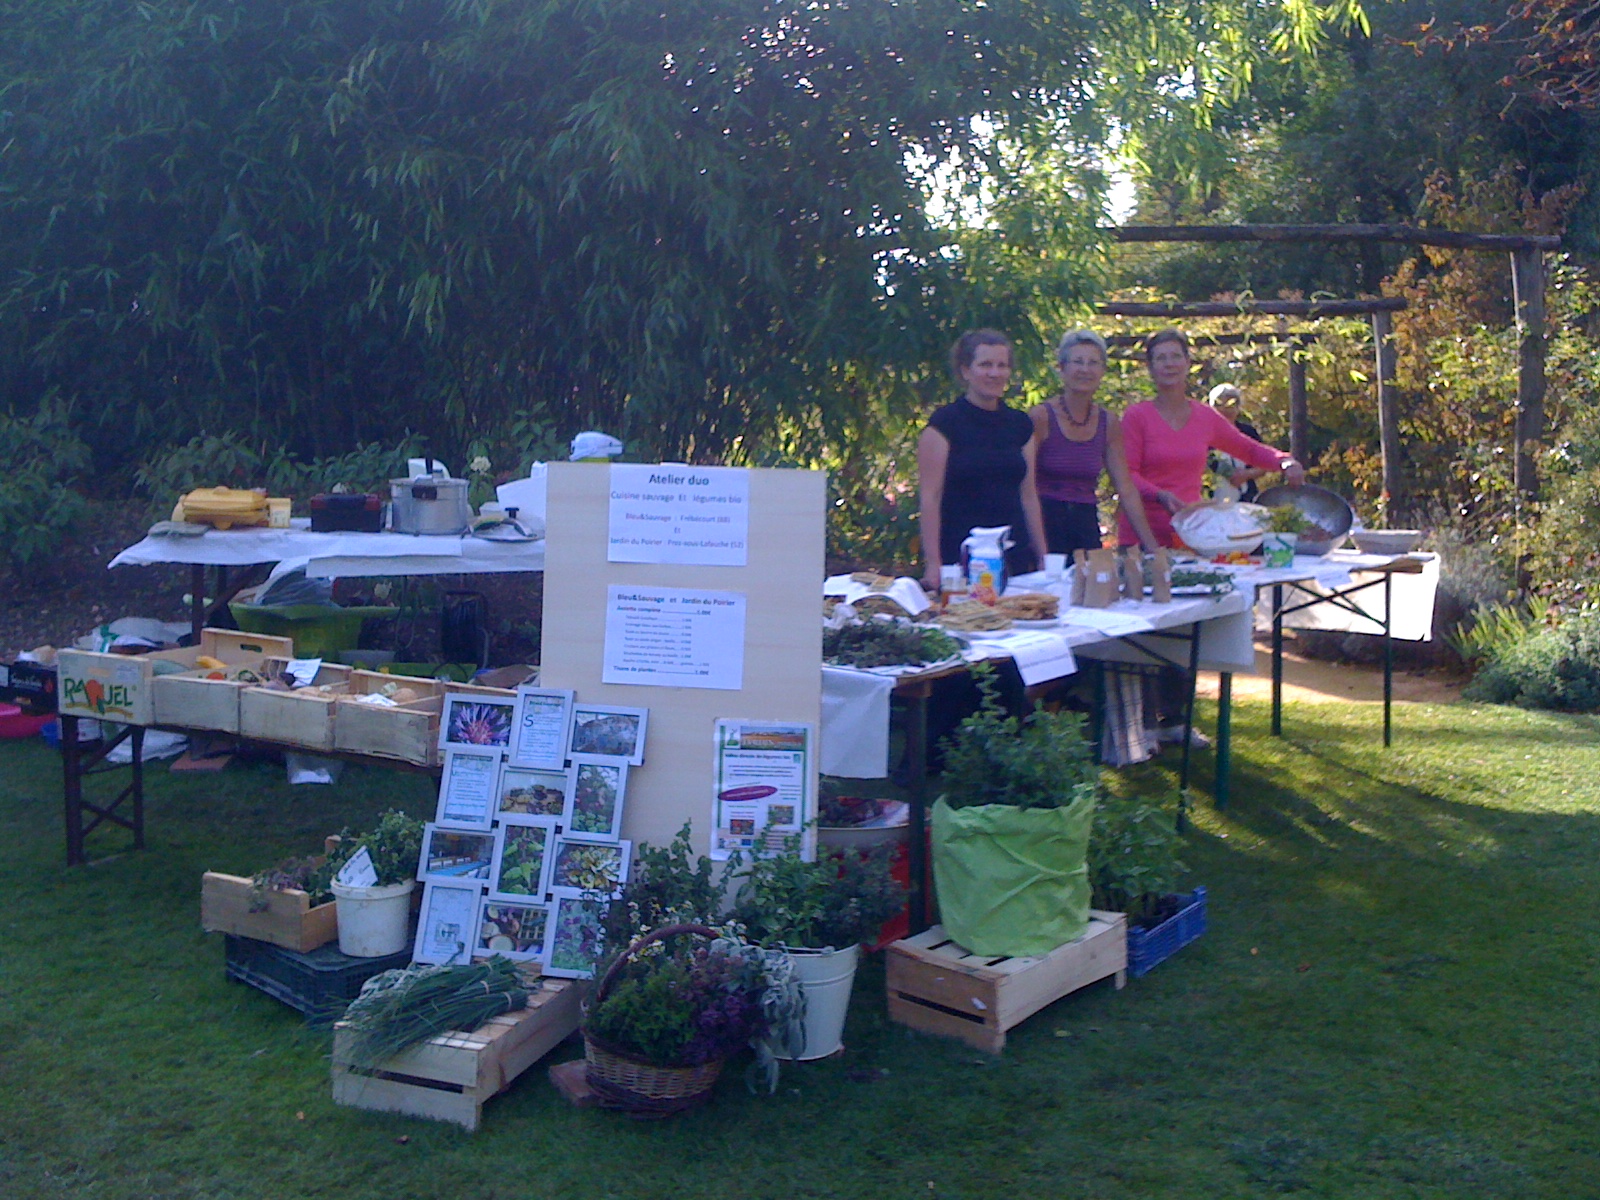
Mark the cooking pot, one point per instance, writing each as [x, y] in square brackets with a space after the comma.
[429, 504]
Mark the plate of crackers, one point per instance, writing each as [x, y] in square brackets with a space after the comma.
[1031, 609]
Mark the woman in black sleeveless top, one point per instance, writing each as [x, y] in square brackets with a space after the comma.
[975, 462]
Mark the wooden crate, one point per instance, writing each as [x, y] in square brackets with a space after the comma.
[408, 732]
[448, 1077]
[192, 701]
[290, 920]
[119, 687]
[293, 718]
[938, 987]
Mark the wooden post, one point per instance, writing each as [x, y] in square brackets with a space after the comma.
[1299, 414]
[1527, 283]
[1388, 415]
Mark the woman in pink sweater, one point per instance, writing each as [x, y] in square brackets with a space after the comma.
[1166, 441]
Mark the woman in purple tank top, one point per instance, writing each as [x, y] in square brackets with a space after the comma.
[1075, 439]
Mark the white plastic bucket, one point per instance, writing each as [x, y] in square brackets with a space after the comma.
[827, 977]
[374, 921]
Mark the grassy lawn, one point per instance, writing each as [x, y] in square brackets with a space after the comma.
[1396, 999]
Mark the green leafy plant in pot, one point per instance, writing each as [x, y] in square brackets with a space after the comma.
[1133, 858]
[374, 919]
[1134, 868]
[820, 912]
[1011, 829]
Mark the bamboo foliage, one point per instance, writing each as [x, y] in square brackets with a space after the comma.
[333, 221]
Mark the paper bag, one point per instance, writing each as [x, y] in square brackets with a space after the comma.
[1102, 587]
[1080, 576]
[1161, 577]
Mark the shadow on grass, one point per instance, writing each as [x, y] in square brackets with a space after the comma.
[1394, 999]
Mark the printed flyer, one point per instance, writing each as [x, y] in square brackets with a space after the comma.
[763, 785]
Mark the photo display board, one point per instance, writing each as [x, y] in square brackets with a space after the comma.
[700, 640]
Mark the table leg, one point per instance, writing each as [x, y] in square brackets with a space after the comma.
[1388, 656]
[197, 600]
[72, 789]
[1188, 705]
[917, 781]
[1277, 660]
[137, 785]
[1224, 737]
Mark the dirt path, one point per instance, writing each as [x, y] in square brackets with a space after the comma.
[1323, 682]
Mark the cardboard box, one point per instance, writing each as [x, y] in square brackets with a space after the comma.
[30, 685]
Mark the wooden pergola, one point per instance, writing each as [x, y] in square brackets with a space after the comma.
[1528, 283]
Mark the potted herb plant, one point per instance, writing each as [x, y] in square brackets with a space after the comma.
[1011, 829]
[1285, 523]
[820, 912]
[1134, 869]
[674, 1005]
[374, 919]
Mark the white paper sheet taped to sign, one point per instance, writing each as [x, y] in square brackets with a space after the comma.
[668, 513]
[674, 637]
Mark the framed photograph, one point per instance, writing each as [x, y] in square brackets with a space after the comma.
[602, 731]
[598, 787]
[516, 929]
[588, 868]
[455, 855]
[471, 722]
[521, 866]
[533, 792]
[468, 789]
[543, 727]
[447, 925]
[577, 938]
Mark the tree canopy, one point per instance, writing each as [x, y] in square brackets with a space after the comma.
[329, 221]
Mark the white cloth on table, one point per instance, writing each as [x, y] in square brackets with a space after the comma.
[1413, 597]
[334, 555]
[855, 723]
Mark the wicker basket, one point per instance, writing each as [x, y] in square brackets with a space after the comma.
[627, 1082]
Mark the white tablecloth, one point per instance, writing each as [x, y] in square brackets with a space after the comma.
[1114, 634]
[1413, 596]
[333, 555]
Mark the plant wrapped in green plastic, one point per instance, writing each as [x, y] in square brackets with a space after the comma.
[1011, 831]
[1133, 856]
[840, 900]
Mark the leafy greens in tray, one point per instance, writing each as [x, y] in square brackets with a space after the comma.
[886, 644]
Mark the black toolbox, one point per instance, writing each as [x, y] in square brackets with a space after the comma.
[347, 512]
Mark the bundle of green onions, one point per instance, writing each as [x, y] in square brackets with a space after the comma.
[397, 1009]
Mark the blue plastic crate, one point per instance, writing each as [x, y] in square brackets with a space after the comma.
[1149, 947]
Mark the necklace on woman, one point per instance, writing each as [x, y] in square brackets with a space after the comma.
[1065, 409]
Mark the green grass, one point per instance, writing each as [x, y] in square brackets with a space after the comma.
[1397, 998]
